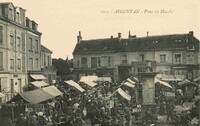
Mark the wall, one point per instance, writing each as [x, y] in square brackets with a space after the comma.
[33, 51]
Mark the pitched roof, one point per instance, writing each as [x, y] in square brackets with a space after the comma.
[43, 48]
[150, 43]
[97, 45]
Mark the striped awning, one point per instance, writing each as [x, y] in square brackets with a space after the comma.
[129, 84]
[124, 94]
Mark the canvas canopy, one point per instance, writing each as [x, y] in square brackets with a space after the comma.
[129, 84]
[39, 83]
[76, 85]
[38, 76]
[163, 83]
[131, 81]
[124, 94]
[88, 78]
[186, 82]
[52, 90]
[95, 78]
[40, 95]
[104, 79]
[196, 79]
[90, 83]
[172, 77]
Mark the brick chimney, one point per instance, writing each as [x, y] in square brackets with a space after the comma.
[191, 33]
[79, 38]
[119, 35]
[147, 33]
[129, 34]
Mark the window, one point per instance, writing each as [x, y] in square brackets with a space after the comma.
[23, 41]
[141, 69]
[124, 58]
[48, 60]
[12, 40]
[44, 60]
[99, 61]
[94, 62]
[104, 61]
[31, 64]
[36, 45]
[163, 58]
[31, 43]
[78, 63]
[179, 72]
[84, 62]
[109, 61]
[36, 63]
[1, 34]
[18, 42]
[19, 64]
[177, 58]
[12, 64]
[17, 17]
[142, 57]
[1, 60]
[10, 13]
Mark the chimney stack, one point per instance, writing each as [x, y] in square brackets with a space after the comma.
[191, 33]
[129, 34]
[147, 33]
[111, 37]
[119, 35]
[79, 38]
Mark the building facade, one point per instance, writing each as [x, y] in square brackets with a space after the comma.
[176, 54]
[20, 49]
[46, 64]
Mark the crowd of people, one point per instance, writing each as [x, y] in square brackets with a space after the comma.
[94, 106]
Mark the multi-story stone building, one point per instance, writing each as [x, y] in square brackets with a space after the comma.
[12, 48]
[20, 49]
[46, 64]
[176, 54]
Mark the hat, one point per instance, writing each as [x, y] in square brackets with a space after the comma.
[34, 116]
[40, 113]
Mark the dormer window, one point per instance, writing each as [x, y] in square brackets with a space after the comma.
[155, 41]
[17, 17]
[11, 13]
[105, 48]
[85, 49]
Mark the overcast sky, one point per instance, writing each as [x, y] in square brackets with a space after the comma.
[60, 20]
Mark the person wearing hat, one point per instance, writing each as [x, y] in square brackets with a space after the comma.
[21, 121]
[41, 119]
[34, 121]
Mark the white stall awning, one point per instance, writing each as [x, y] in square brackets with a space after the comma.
[38, 76]
[124, 94]
[39, 83]
[76, 85]
[129, 84]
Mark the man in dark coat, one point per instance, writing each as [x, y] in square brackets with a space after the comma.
[21, 121]
[34, 121]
